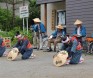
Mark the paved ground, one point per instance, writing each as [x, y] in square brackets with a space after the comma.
[42, 67]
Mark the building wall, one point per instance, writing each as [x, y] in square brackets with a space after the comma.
[50, 7]
[3, 5]
[42, 12]
[79, 9]
[47, 1]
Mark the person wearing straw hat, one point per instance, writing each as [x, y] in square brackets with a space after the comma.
[80, 30]
[24, 46]
[56, 37]
[32, 28]
[2, 47]
[74, 49]
[40, 30]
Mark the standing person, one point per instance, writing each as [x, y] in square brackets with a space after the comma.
[34, 36]
[24, 46]
[74, 49]
[2, 47]
[40, 30]
[80, 30]
[56, 37]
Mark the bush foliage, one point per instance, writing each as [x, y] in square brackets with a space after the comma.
[12, 34]
[6, 27]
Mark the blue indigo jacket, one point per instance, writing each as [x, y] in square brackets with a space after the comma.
[56, 32]
[42, 28]
[82, 31]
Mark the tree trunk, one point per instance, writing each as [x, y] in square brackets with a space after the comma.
[7, 15]
[23, 2]
[13, 18]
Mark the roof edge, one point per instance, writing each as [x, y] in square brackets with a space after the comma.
[47, 1]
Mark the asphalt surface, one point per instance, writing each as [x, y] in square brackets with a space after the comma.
[42, 67]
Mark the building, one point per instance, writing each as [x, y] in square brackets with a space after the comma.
[65, 12]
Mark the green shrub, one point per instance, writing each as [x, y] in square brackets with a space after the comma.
[12, 35]
[5, 19]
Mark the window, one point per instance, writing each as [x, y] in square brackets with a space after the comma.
[61, 17]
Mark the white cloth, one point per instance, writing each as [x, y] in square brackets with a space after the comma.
[78, 31]
[61, 16]
[41, 43]
[35, 40]
[66, 40]
[50, 37]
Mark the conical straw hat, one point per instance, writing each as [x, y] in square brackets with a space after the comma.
[13, 54]
[37, 20]
[60, 58]
[59, 26]
[77, 22]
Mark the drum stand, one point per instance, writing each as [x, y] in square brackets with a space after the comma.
[90, 48]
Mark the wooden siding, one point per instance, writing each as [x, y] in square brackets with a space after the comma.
[47, 1]
[79, 9]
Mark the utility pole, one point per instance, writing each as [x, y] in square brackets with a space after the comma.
[45, 15]
[23, 2]
[13, 12]
[23, 18]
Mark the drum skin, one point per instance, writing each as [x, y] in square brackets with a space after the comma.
[12, 55]
[60, 58]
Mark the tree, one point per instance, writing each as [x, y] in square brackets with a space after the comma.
[34, 10]
[5, 19]
[13, 3]
[6, 12]
[12, 20]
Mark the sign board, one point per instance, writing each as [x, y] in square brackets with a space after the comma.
[53, 19]
[24, 11]
[7, 41]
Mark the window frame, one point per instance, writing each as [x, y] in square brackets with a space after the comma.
[57, 16]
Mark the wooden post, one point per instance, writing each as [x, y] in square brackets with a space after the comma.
[53, 19]
[45, 15]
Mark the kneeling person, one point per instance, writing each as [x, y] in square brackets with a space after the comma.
[74, 49]
[2, 47]
[24, 46]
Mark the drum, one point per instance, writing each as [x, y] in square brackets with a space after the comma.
[89, 39]
[60, 58]
[13, 53]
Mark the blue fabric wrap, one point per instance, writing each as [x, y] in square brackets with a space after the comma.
[1, 40]
[2, 50]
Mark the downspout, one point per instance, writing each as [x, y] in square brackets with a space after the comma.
[45, 15]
